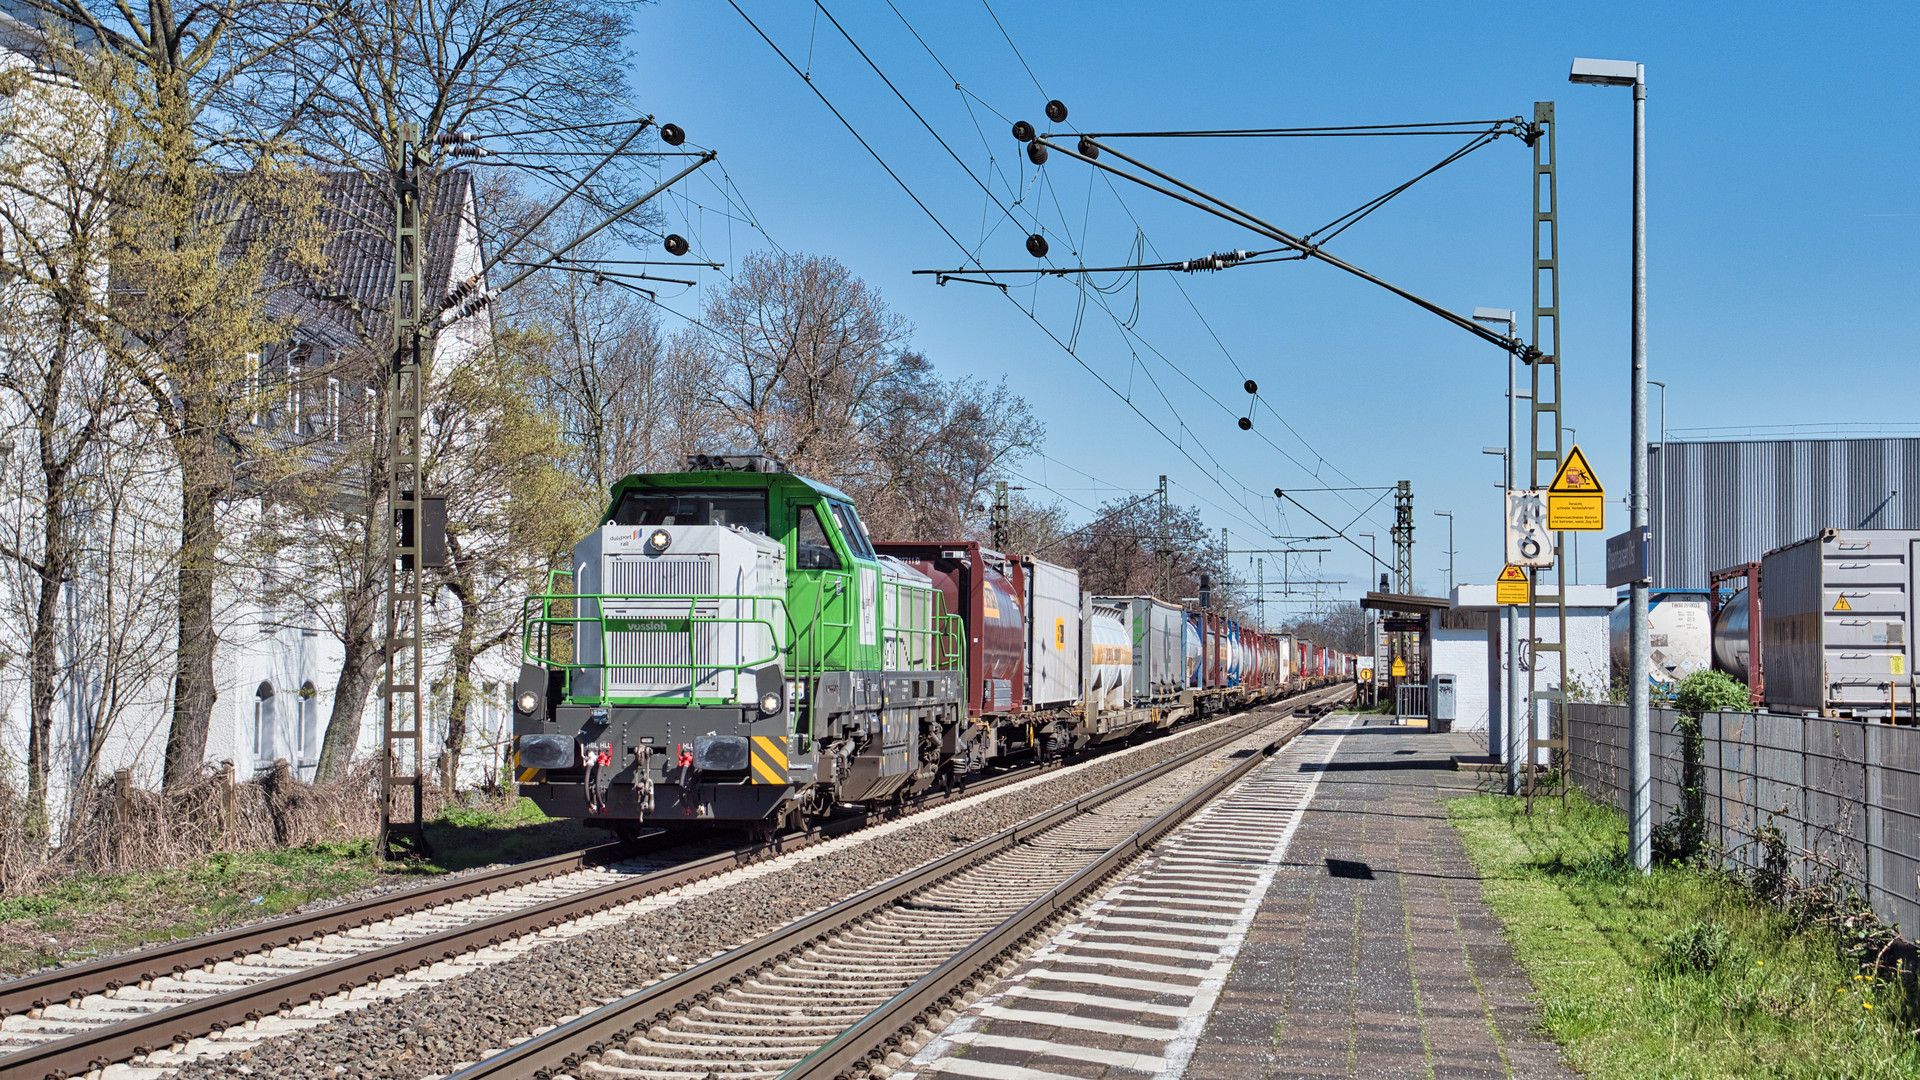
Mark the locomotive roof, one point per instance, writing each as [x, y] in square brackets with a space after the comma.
[718, 478]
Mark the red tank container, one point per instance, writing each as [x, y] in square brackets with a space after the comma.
[984, 588]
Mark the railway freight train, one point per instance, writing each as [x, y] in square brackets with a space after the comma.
[729, 645]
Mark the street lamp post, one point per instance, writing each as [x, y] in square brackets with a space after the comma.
[1663, 411]
[1448, 514]
[1515, 745]
[1373, 617]
[1639, 742]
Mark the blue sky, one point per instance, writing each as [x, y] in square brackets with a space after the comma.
[1782, 160]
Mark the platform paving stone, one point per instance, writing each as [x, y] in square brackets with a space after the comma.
[1374, 954]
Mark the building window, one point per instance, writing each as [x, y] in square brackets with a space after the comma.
[332, 418]
[309, 724]
[263, 723]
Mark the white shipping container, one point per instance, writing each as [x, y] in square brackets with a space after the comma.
[1053, 635]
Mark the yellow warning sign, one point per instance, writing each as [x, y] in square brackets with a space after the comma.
[1366, 674]
[1841, 604]
[1576, 476]
[1576, 500]
[1399, 668]
[1512, 586]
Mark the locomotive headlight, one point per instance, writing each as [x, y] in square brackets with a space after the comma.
[770, 702]
[527, 702]
[658, 541]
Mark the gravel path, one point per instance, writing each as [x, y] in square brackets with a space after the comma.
[458, 1014]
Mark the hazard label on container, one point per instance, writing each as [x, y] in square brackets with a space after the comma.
[1576, 500]
[1841, 604]
[1512, 586]
[1898, 663]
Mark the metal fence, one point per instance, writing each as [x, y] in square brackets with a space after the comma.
[1843, 791]
[1411, 701]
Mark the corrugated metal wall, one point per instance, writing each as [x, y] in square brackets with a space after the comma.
[1716, 504]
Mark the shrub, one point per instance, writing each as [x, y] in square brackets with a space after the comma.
[1712, 691]
[1701, 947]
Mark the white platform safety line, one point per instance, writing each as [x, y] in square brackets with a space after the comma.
[1193, 898]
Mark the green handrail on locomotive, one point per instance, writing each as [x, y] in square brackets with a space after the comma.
[730, 645]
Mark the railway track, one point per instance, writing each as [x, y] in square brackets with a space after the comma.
[73, 1020]
[834, 994]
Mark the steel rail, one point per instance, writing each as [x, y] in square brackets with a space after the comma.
[869, 1041]
[176, 1025]
[561, 1048]
[79, 980]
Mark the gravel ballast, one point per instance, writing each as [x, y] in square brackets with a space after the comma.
[458, 1017]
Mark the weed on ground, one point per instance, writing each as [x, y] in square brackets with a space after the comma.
[80, 917]
[1681, 973]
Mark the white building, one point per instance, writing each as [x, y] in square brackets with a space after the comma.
[278, 658]
[1469, 644]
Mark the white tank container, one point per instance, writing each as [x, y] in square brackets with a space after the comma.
[1679, 636]
[1110, 667]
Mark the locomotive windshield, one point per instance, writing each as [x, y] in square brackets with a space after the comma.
[746, 509]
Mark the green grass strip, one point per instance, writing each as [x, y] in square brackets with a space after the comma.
[1680, 973]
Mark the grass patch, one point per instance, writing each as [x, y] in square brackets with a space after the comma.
[1680, 973]
[82, 916]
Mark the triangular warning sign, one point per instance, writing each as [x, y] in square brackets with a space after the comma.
[1513, 573]
[1576, 475]
[1842, 605]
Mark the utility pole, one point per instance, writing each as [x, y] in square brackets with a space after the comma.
[1448, 514]
[1403, 538]
[1165, 551]
[997, 523]
[403, 706]
[1260, 583]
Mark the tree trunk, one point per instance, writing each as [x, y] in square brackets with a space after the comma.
[43, 661]
[193, 687]
[361, 660]
[463, 654]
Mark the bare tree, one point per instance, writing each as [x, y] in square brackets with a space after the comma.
[551, 69]
[1128, 549]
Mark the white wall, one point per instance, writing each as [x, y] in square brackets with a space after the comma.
[1474, 651]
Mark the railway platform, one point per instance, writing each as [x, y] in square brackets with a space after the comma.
[1320, 919]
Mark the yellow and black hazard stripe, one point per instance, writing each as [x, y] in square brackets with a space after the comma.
[770, 759]
[527, 776]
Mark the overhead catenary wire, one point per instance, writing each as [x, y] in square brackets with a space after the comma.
[942, 226]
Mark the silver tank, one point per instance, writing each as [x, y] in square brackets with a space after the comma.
[1679, 641]
[1730, 644]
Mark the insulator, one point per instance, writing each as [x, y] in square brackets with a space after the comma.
[454, 138]
[472, 305]
[1246, 424]
[469, 152]
[1219, 260]
[1037, 152]
[672, 135]
[1023, 131]
[1056, 110]
[1037, 246]
[1087, 149]
[1252, 387]
[460, 292]
[676, 244]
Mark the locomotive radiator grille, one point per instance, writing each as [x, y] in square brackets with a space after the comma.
[629, 581]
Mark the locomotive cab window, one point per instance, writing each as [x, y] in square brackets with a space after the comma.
[812, 548]
[851, 529]
[745, 509]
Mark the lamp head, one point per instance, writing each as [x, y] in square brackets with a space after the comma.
[1604, 72]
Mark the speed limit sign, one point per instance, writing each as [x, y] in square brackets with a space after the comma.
[1528, 541]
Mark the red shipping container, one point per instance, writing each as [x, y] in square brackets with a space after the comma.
[984, 588]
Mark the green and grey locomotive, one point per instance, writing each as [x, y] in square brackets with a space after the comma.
[728, 646]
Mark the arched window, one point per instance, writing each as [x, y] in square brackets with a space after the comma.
[309, 751]
[263, 723]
